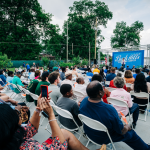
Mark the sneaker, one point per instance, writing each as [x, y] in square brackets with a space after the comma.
[134, 125]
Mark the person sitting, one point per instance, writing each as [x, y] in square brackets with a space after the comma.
[128, 68]
[37, 74]
[54, 80]
[62, 75]
[43, 82]
[68, 79]
[137, 71]
[70, 105]
[106, 69]
[112, 75]
[80, 87]
[98, 77]
[123, 95]
[148, 78]
[140, 85]
[2, 77]
[94, 108]
[37, 68]
[32, 86]
[121, 69]
[32, 75]
[10, 78]
[74, 72]
[96, 70]
[128, 78]
[17, 81]
[112, 82]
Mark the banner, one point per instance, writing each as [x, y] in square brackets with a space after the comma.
[131, 58]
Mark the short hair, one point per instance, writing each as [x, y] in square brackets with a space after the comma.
[97, 77]
[93, 89]
[119, 82]
[119, 74]
[10, 73]
[32, 70]
[127, 66]
[18, 73]
[63, 69]
[79, 79]
[37, 73]
[1, 71]
[65, 88]
[53, 76]
[137, 71]
[45, 75]
[113, 69]
[128, 74]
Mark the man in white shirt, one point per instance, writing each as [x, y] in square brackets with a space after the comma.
[81, 88]
[123, 62]
[68, 79]
[54, 80]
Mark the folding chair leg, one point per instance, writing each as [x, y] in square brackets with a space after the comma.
[79, 137]
[42, 121]
[47, 128]
[87, 143]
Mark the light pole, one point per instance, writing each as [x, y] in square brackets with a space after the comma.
[95, 42]
[67, 44]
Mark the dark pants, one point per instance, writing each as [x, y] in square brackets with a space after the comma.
[134, 110]
[123, 65]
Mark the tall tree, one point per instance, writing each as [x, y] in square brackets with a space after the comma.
[23, 25]
[126, 35]
[81, 25]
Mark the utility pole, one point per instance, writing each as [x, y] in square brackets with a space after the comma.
[72, 48]
[67, 44]
[89, 55]
[95, 42]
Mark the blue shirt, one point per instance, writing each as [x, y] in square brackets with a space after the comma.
[89, 74]
[110, 76]
[24, 65]
[3, 82]
[104, 113]
[134, 76]
[62, 76]
[148, 79]
[105, 70]
[128, 69]
[28, 67]
[9, 79]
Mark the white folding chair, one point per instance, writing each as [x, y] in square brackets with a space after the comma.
[67, 114]
[120, 103]
[110, 89]
[96, 125]
[95, 73]
[107, 82]
[79, 95]
[142, 95]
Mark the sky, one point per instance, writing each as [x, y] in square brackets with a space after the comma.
[123, 10]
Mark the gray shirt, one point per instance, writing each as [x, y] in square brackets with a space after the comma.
[73, 108]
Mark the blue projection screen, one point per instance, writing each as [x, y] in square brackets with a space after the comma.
[131, 57]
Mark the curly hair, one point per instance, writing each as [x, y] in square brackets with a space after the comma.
[11, 134]
[140, 83]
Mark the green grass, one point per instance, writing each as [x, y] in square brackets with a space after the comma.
[11, 69]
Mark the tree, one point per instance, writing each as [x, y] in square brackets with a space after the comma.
[81, 23]
[45, 61]
[4, 61]
[125, 35]
[23, 25]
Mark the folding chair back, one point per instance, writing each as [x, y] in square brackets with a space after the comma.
[107, 82]
[110, 89]
[128, 85]
[79, 95]
[96, 125]
[34, 96]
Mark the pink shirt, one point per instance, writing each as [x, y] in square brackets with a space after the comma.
[36, 77]
[122, 94]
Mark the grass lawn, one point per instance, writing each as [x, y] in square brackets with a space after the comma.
[11, 69]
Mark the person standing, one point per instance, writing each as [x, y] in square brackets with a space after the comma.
[28, 67]
[24, 65]
[123, 62]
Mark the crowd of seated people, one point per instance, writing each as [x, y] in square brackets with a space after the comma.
[60, 83]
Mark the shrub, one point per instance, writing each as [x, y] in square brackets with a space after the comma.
[62, 64]
[45, 61]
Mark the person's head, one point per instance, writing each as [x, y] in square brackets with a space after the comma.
[66, 90]
[140, 83]
[68, 75]
[112, 70]
[32, 70]
[45, 76]
[127, 66]
[123, 58]
[119, 82]
[74, 68]
[137, 71]
[95, 90]
[97, 77]
[10, 74]
[54, 77]
[63, 69]
[37, 67]
[128, 74]
[33, 63]
[18, 74]
[119, 74]
[41, 68]
[89, 70]
[116, 68]
[11, 132]
[133, 66]
[37, 73]
[55, 69]
[1, 71]
[106, 67]
[80, 80]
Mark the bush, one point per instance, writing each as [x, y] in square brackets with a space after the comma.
[62, 64]
[4, 61]
[45, 61]
[85, 62]
[76, 60]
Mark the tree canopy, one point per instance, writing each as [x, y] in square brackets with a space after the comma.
[128, 35]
